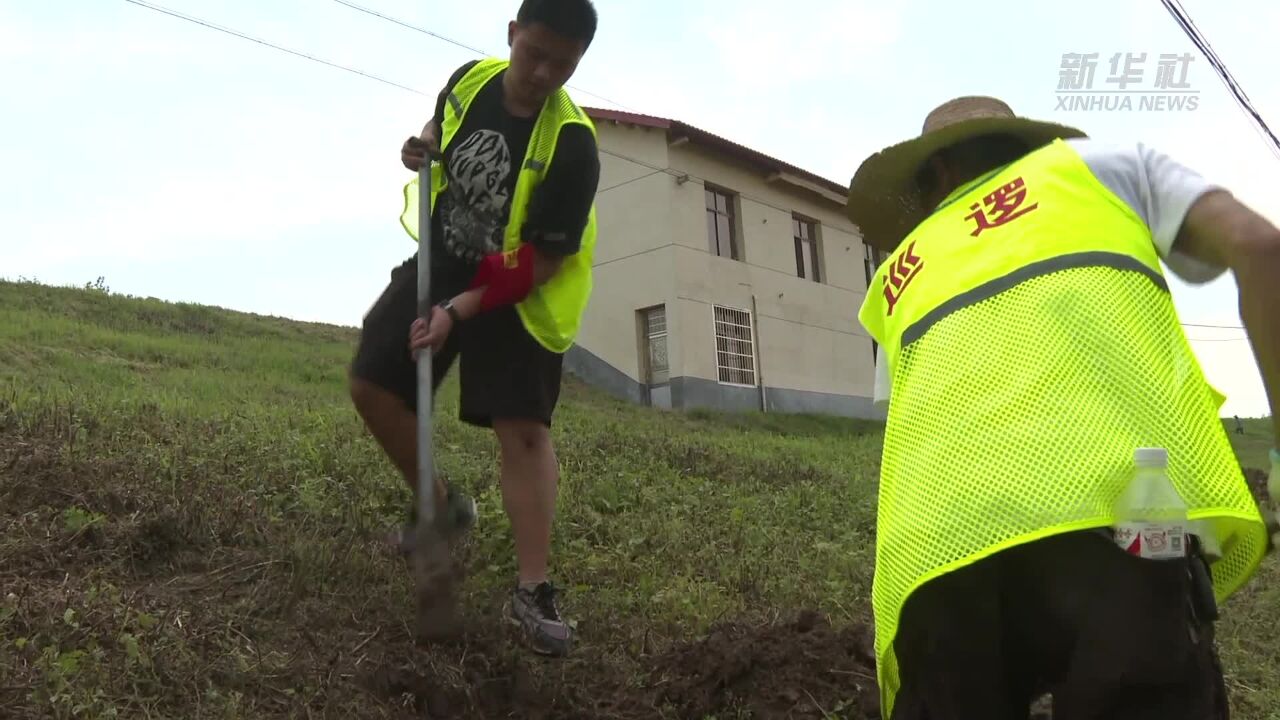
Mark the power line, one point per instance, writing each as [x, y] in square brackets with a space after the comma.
[478, 51]
[1242, 99]
[451, 41]
[615, 186]
[1184, 21]
[273, 46]
[1216, 327]
[402, 23]
[237, 33]
[654, 168]
[703, 181]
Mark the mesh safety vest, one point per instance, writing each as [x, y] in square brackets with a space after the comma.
[552, 312]
[1033, 345]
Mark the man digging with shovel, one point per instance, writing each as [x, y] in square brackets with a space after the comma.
[1030, 350]
[512, 238]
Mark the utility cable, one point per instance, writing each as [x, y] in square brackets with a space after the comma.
[615, 186]
[237, 33]
[1216, 327]
[1184, 21]
[371, 76]
[402, 23]
[451, 41]
[654, 168]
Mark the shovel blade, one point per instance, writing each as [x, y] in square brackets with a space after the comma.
[435, 588]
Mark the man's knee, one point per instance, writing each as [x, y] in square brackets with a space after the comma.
[368, 398]
[359, 389]
[522, 437]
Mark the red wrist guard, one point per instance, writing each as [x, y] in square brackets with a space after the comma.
[507, 277]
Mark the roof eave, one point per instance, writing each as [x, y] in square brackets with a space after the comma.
[775, 170]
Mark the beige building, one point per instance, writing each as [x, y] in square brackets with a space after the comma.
[724, 278]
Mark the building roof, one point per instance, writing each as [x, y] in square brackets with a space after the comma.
[774, 168]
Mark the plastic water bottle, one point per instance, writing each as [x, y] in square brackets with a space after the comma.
[1151, 517]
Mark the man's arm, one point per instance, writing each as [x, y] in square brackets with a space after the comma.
[415, 148]
[558, 212]
[559, 207]
[1222, 231]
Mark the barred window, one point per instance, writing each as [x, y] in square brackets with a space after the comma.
[735, 351]
[654, 326]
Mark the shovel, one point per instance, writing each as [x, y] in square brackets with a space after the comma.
[436, 612]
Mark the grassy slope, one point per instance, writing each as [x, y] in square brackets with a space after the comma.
[1252, 446]
[191, 518]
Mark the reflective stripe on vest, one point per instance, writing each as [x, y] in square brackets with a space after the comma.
[552, 312]
[1032, 346]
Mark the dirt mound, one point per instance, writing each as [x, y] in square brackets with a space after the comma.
[800, 669]
[127, 579]
[492, 679]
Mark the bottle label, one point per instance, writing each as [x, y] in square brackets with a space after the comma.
[1154, 541]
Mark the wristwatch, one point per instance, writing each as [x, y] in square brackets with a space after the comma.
[448, 307]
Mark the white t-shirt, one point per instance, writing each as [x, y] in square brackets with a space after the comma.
[1158, 188]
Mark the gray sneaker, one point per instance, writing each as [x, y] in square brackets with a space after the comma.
[461, 517]
[535, 612]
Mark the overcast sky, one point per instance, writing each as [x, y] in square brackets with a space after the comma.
[187, 164]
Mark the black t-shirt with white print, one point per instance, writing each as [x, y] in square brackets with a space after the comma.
[482, 163]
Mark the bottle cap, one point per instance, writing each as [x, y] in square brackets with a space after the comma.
[1151, 457]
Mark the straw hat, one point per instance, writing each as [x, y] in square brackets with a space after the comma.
[884, 200]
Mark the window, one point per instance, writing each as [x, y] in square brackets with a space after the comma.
[653, 326]
[720, 238]
[805, 233]
[735, 356]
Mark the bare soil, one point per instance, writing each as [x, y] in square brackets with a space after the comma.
[117, 595]
[802, 668]
[1257, 480]
[187, 607]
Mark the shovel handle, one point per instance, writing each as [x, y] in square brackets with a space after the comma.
[426, 476]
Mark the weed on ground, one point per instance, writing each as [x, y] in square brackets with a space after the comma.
[192, 524]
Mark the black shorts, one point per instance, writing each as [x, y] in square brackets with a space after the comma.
[1108, 634]
[505, 373]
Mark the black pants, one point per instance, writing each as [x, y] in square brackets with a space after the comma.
[1109, 634]
[505, 373]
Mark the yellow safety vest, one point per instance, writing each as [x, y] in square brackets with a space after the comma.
[1032, 345]
[552, 312]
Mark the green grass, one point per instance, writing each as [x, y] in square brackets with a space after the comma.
[1255, 443]
[191, 517]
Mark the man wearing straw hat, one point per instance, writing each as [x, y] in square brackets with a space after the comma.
[1028, 346]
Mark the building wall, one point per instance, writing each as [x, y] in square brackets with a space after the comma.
[810, 338]
[765, 210]
[631, 217]
[652, 249]
[633, 258]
